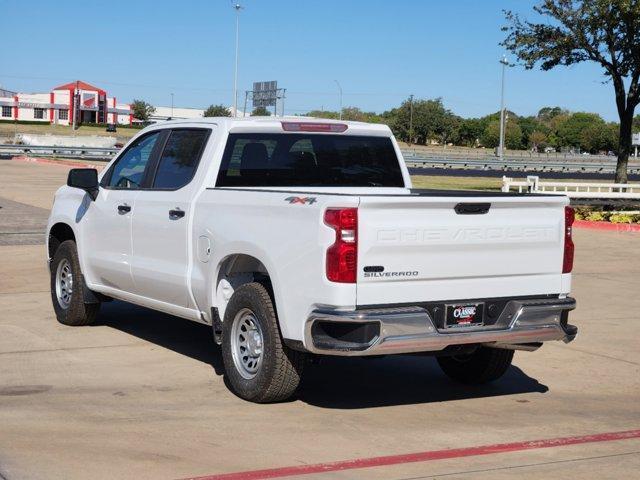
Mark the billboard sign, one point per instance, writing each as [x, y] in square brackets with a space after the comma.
[265, 94]
[635, 139]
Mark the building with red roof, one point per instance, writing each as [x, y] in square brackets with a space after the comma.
[74, 100]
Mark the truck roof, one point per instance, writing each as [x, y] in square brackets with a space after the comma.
[274, 124]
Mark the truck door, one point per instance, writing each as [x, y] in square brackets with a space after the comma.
[106, 223]
[160, 262]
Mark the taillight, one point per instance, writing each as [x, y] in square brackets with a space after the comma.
[342, 256]
[567, 261]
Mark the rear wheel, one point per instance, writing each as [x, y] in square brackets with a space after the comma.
[259, 367]
[482, 366]
[67, 292]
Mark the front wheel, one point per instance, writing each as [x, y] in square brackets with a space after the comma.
[259, 367]
[482, 366]
[67, 292]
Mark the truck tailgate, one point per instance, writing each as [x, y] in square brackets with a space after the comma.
[419, 248]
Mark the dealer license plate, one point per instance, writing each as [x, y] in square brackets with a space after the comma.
[465, 315]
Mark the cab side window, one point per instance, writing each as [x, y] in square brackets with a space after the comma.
[128, 172]
[180, 158]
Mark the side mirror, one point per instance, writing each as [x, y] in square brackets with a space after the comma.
[85, 179]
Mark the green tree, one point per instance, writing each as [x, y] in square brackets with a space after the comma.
[431, 121]
[470, 131]
[636, 124]
[599, 136]
[606, 32]
[323, 114]
[512, 135]
[537, 140]
[142, 110]
[547, 114]
[528, 125]
[571, 131]
[217, 111]
[260, 112]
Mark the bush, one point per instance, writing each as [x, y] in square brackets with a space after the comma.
[28, 122]
[624, 218]
[598, 217]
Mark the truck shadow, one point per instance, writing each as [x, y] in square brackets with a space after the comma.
[181, 336]
[352, 383]
[333, 382]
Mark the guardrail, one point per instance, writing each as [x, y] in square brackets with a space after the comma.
[483, 153]
[573, 189]
[94, 153]
[534, 164]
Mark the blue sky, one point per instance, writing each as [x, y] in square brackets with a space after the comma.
[380, 52]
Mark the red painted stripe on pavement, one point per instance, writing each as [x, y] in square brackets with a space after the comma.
[62, 163]
[612, 227]
[421, 456]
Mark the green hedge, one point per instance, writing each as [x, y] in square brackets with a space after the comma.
[27, 122]
[599, 215]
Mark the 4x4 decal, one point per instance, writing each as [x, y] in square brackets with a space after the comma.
[301, 200]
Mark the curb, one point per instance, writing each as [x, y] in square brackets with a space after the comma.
[607, 226]
[62, 163]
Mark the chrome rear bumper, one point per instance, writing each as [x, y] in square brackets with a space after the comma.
[522, 323]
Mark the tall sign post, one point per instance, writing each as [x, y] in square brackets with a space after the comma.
[266, 94]
[635, 141]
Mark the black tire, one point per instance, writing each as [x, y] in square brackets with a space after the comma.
[75, 312]
[482, 366]
[278, 374]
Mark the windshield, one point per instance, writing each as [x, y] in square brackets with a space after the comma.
[287, 160]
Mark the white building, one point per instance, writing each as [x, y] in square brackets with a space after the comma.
[88, 103]
[175, 113]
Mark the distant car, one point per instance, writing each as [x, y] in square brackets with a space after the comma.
[549, 150]
[586, 153]
[111, 127]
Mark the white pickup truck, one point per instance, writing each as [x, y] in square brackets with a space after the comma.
[295, 237]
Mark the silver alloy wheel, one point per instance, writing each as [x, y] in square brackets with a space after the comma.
[246, 343]
[64, 283]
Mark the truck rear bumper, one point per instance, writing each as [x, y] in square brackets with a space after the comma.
[522, 324]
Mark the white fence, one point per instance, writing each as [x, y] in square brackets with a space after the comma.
[573, 189]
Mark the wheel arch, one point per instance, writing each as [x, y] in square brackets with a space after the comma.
[235, 270]
[58, 233]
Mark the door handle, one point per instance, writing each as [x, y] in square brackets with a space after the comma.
[124, 208]
[176, 213]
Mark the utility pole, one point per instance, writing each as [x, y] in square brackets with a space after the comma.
[172, 106]
[76, 107]
[237, 8]
[504, 63]
[340, 88]
[284, 95]
[410, 118]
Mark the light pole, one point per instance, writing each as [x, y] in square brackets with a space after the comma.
[237, 7]
[504, 63]
[410, 118]
[172, 106]
[339, 88]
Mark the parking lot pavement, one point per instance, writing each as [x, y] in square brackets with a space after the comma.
[141, 394]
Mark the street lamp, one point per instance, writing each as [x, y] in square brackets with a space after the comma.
[237, 7]
[339, 88]
[410, 118]
[172, 106]
[504, 63]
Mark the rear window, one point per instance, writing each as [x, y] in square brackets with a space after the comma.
[290, 160]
